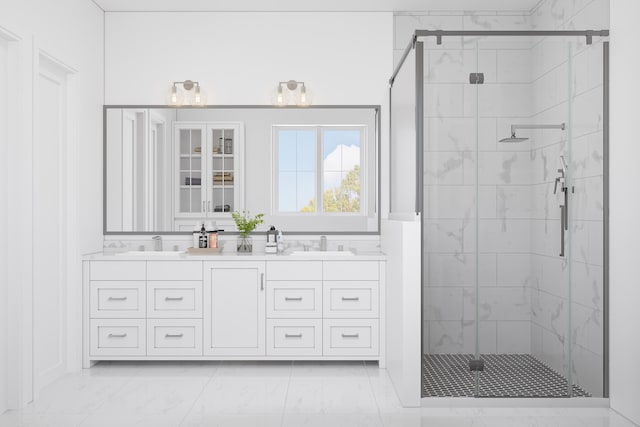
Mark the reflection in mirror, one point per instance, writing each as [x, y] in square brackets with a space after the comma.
[309, 170]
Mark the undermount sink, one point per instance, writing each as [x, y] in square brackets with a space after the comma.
[322, 253]
[152, 253]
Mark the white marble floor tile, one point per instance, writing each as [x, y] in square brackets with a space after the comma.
[254, 369]
[252, 394]
[330, 401]
[232, 420]
[149, 400]
[20, 419]
[340, 370]
[76, 393]
[331, 420]
[241, 396]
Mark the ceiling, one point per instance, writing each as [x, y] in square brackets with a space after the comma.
[314, 5]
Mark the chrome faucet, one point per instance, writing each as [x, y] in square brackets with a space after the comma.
[157, 243]
[323, 243]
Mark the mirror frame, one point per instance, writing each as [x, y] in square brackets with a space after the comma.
[378, 145]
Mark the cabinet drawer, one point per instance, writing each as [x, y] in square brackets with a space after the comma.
[117, 299]
[117, 270]
[355, 299]
[294, 270]
[174, 337]
[294, 337]
[350, 337]
[298, 299]
[118, 337]
[170, 299]
[174, 270]
[350, 270]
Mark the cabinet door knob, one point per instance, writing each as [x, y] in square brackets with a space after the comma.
[262, 281]
[350, 298]
[173, 298]
[117, 298]
[293, 298]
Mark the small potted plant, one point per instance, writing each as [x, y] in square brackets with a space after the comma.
[246, 224]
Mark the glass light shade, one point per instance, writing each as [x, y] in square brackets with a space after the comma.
[280, 96]
[179, 96]
[304, 96]
[175, 97]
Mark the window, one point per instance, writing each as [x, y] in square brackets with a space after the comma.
[317, 169]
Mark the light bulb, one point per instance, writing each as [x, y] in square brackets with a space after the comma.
[280, 98]
[303, 95]
[198, 99]
[174, 95]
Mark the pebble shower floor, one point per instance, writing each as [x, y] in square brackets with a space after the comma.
[504, 375]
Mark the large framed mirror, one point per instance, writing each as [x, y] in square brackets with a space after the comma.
[307, 169]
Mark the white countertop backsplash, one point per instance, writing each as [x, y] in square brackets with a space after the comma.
[361, 246]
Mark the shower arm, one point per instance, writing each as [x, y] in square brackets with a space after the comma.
[561, 126]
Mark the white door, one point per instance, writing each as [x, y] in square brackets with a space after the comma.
[234, 308]
[49, 225]
[4, 231]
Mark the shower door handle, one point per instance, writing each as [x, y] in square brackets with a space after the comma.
[563, 210]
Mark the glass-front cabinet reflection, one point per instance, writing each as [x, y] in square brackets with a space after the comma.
[208, 172]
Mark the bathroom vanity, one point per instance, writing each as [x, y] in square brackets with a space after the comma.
[233, 307]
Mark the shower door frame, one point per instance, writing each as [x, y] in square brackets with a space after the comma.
[414, 43]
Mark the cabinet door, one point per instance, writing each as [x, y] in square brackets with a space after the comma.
[224, 168]
[191, 190]
[234, 308]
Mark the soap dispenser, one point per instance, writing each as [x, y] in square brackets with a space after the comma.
[203, 240]
[272, 244]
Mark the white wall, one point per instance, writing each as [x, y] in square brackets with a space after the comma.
[71, 31]
[239, 57]
[4, 283]
[624, 207]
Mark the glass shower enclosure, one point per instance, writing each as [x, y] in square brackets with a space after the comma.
[511, 190]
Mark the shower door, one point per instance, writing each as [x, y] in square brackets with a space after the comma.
[538, 165]
[513, 217]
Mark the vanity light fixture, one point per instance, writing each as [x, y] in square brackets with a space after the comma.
[189, 94]
[292, 93]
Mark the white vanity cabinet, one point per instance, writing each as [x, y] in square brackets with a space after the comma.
[234, 308]
[174, 308]
[234, 301]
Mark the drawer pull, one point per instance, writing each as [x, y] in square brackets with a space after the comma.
[293, 335]
[117, 298]
[350, 335]
[118, 335]
[293, 298]
[173, 335]
[350, 298]
[173, 298]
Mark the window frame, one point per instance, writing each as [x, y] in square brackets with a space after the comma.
[319, 170]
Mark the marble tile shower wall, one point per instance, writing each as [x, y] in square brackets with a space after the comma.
[557, 81]
[523, 305]
[451, 104]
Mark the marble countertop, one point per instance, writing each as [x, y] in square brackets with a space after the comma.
[231, 256]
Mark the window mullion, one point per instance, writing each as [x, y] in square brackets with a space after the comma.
[319, 170]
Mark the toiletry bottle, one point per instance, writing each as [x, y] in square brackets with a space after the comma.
[196, 236]
[202, 241]
[213, 239]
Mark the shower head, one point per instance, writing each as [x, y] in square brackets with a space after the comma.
[513, 138]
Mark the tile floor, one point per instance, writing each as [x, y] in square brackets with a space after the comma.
[260, 394]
